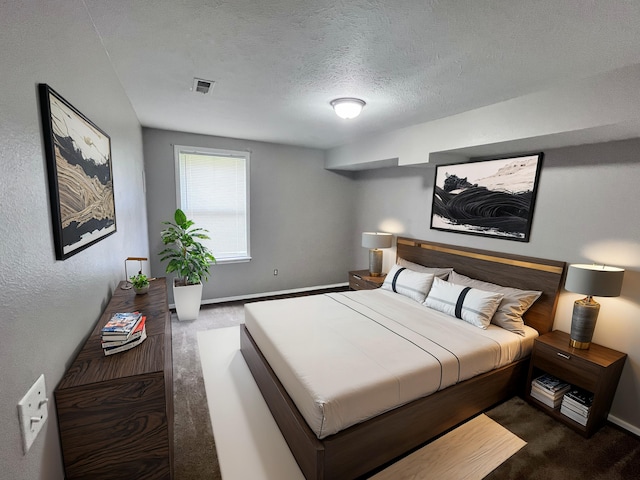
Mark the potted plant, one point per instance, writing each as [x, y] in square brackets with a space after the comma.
[189, 259]
[140, 283]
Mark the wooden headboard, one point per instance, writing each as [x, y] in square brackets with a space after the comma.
[504, 269]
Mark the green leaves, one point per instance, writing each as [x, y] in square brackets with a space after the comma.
[139, 281]
[187, 257]
[180, 218]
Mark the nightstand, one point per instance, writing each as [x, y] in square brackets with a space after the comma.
[361, 280]
[596, 370]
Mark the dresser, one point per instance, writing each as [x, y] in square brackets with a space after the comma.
[115, 413]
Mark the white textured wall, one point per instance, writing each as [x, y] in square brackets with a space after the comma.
[301, 215]
[603, 107]
[586, 211]
[49, 306]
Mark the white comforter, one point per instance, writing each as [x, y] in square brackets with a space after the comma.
[347, 357]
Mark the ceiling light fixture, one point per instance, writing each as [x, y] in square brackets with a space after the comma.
[347, 107]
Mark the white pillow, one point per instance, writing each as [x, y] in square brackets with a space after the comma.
[512, 307]
[469, 304]
[442, 273]
[406, 282]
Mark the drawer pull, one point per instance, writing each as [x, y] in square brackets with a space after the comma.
[568, 357]
[358, 277]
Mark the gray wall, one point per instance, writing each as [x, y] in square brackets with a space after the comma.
[301, 215]
[305, 220]
[586, 211]
[49, 306]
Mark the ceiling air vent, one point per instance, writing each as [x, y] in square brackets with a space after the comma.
[202, 86]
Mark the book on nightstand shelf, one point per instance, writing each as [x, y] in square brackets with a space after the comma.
[576, 404]
[549, 390]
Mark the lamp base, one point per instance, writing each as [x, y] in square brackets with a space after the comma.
[579, 345]
[583, 322]
[375, 262]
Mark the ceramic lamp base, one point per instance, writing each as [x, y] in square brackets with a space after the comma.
[583, 322]
[375, 262]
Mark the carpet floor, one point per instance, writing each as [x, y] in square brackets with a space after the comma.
[553, 451]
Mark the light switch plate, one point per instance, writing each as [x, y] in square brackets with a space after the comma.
[33, 412]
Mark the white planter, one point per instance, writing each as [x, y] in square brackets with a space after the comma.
[187, 301]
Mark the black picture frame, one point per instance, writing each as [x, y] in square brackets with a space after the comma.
[491, 198]
[80, 176]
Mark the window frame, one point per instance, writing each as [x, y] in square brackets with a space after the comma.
[217, 152]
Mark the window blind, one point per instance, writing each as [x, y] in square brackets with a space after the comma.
[214, 193]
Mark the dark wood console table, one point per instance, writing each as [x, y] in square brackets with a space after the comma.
[115, 413]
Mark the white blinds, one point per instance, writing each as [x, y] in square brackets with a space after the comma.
[214, 193]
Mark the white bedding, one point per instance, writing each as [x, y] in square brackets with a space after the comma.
[347, 357]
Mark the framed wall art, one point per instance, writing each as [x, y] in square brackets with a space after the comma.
[492, 198]
[80, 175]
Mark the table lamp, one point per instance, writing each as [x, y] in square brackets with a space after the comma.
[127, 284]
[374, 241]
[590, 280]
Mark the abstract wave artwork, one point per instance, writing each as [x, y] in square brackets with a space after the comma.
[493, 198]
[80, 175]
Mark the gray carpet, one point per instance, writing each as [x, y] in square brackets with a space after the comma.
[553, 451]
[194, 449]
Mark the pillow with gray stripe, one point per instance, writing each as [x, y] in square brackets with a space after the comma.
[512, 307]
[442, 273]
[414, 285]
[469, 304]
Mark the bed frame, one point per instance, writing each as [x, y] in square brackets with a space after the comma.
[364, 447]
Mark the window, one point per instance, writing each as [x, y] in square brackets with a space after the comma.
[213, 190]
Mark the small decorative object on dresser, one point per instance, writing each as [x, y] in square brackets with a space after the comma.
[140, 283]
[590, 280]
[593, 375]
[361, 280]
[374, 241]
[127, 284]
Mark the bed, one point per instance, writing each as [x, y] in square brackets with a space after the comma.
[328, 449]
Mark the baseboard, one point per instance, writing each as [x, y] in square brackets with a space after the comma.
[279, 293]
[625, 425]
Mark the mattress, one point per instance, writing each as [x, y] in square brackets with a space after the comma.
[346, 357]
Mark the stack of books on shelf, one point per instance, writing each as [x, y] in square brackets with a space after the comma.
[123, 331]
[576, 405]
[549, 390]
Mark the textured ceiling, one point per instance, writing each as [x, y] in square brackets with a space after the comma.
[277, 64]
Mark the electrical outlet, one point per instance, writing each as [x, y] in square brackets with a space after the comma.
[33, 412]
[275, 272]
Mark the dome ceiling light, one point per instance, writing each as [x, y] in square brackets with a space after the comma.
[348, 107]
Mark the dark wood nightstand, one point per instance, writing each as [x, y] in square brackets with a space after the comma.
[361, 280]
[596, 370]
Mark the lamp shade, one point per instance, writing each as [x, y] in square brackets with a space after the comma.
[376, 240]
[594, 280]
